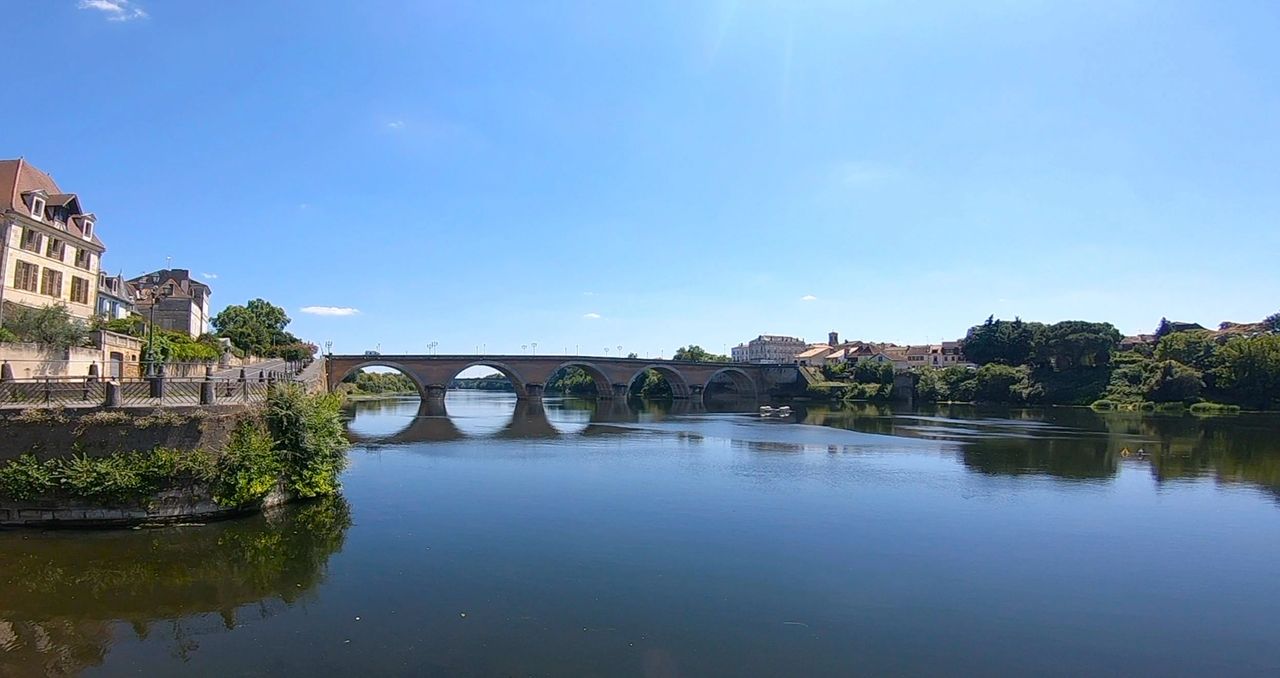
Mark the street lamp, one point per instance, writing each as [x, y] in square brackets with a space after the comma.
[524, 347]
[619, 350]
[534, 344]
[606, 350]
[431, 347]
[328, 348]
[157, 295]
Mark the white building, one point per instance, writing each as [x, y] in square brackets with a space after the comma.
[769, 349]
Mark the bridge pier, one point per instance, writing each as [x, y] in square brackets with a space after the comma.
[436, 392]
[620, 392]
[532, 392]
[695, 393]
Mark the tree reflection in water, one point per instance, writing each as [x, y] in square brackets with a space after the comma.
[1081, 444]
[61, 593]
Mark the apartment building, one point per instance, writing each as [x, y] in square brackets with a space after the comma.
[49, 249]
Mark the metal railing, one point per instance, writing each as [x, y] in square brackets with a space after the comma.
[156, 391]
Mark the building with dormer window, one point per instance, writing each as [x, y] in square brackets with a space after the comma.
[49, 251]
[177, 301]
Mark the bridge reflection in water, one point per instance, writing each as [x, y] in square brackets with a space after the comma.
[430, 420]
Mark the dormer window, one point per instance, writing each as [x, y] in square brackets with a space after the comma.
[37, 207]
[87, 225]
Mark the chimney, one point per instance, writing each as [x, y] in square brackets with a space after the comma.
[833, 339]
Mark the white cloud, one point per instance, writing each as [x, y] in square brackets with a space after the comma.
[115, 10]
[210, 276]
[591, 316]
[396, 124]
[863, 173]
[588, 294]
[329, 310]
[808, 297]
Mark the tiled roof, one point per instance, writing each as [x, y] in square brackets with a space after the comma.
[180, 277]
[18, 177]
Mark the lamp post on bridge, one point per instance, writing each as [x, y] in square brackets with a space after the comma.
[534, 344]
[524, 347]
[606, 351]
[619, 350]
[328, 348]
[431, 347]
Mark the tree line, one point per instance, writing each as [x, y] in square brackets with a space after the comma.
[1079, 363]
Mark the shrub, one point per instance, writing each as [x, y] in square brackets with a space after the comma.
[51, 326]
[7, 336]
[1104, 405]
[1172, 381]
[867, 372]
[308, 434]
[996, 383]
[25, 478]
[1210, 409]
[249, 468]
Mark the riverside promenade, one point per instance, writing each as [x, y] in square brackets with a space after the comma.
[244, 385]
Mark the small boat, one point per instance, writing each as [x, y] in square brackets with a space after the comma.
[766, 411]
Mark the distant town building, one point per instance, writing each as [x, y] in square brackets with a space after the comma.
[180, 303]
[1132, 342]
[814, 355]
[49, 251]
[768, 348]
[115, 297]
[946, 354]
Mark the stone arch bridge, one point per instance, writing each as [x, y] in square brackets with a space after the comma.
[529, 374]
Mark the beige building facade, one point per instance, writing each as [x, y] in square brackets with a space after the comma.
[49, 249]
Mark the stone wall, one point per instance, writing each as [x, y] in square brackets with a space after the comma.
[30, 361]
[194, 502]
[96, 433]
[50, 434]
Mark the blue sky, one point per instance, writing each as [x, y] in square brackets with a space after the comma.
[589, 175]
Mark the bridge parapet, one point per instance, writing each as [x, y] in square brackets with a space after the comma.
[529, 375]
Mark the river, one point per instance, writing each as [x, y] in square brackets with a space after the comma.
[496, 539]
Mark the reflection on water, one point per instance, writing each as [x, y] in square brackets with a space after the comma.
[1078, 443]
[489, 537]
[64, 595]
[1068, 443]
[482, 414]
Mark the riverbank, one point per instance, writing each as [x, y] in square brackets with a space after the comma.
[391, 395]
[117, 468]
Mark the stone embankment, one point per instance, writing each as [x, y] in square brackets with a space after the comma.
[111, 467]
[51, 435]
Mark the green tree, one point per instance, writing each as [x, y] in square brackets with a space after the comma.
[1272, 322]
[999, 383]
[1171, 381]
[1074, 343]
[1195, 348]
[1163, 329]
[695, 353]
[297, 351]
[870, 372]
[1249, 369]
[51, 326]
[257, 327]
[1007, 342]
[651, 385]
[177, 347]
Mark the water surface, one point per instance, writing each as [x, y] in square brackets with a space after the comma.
[492, 538]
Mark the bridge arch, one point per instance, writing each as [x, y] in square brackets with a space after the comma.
[603, 386]
[743, 384]
[517, 381]
[388, 364]
[679, 385]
